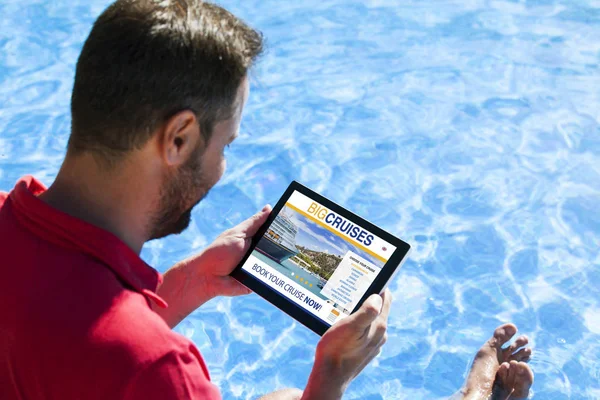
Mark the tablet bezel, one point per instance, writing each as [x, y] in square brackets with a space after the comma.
[309, 320]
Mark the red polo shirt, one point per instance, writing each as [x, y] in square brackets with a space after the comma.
[75, 321]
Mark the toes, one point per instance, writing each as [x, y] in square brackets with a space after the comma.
[521, 355]
[524, 374]
[520, 342]
[502, 334]
[512, 374]
[503, 371]
[523, 380]
[514, 379]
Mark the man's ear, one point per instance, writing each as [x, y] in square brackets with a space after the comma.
[180, 136]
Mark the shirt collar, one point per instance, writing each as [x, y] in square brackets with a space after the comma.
[67, 231]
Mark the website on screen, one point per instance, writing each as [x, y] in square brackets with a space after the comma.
[317, 258]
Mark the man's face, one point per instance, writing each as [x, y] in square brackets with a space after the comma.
[183, 189]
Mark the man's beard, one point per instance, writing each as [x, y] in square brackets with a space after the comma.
[181, 188]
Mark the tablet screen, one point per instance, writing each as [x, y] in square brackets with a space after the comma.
[318, 259]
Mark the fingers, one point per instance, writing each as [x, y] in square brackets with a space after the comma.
[373, 350]
[367, 361]
[371, 322]
[227, 286]
[387, 304]
[378, 329]
[237, 289]
[249, 227]
[367, 313]
[358, 338]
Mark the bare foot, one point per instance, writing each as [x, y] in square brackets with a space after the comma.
[480, 382]
[513, 381]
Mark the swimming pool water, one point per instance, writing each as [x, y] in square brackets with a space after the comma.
[468, 128]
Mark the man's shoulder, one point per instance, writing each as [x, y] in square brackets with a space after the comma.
[146, 349]
[125, 344]
[3, 201]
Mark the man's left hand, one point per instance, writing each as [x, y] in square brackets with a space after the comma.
[194, 281]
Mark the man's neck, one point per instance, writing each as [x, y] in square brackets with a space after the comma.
[115, 200]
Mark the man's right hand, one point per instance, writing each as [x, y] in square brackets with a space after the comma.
[347, 347]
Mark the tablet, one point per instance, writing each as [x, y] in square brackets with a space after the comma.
[317, 261]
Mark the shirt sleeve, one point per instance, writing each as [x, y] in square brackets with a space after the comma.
[174, 376]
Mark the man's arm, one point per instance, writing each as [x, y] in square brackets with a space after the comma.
[344, 351]
[192, 282]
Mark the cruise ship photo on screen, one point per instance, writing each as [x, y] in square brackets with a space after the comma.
[279, 242]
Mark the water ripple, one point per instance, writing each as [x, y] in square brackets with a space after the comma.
[469, 128]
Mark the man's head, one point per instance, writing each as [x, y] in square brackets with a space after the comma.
[170, 72]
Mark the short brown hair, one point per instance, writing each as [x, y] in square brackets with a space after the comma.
[146, 60]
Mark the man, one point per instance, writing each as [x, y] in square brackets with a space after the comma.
[159, 91]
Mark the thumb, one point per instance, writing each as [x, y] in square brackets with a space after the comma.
[228, 286]
[367, 313]
[250, 226]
